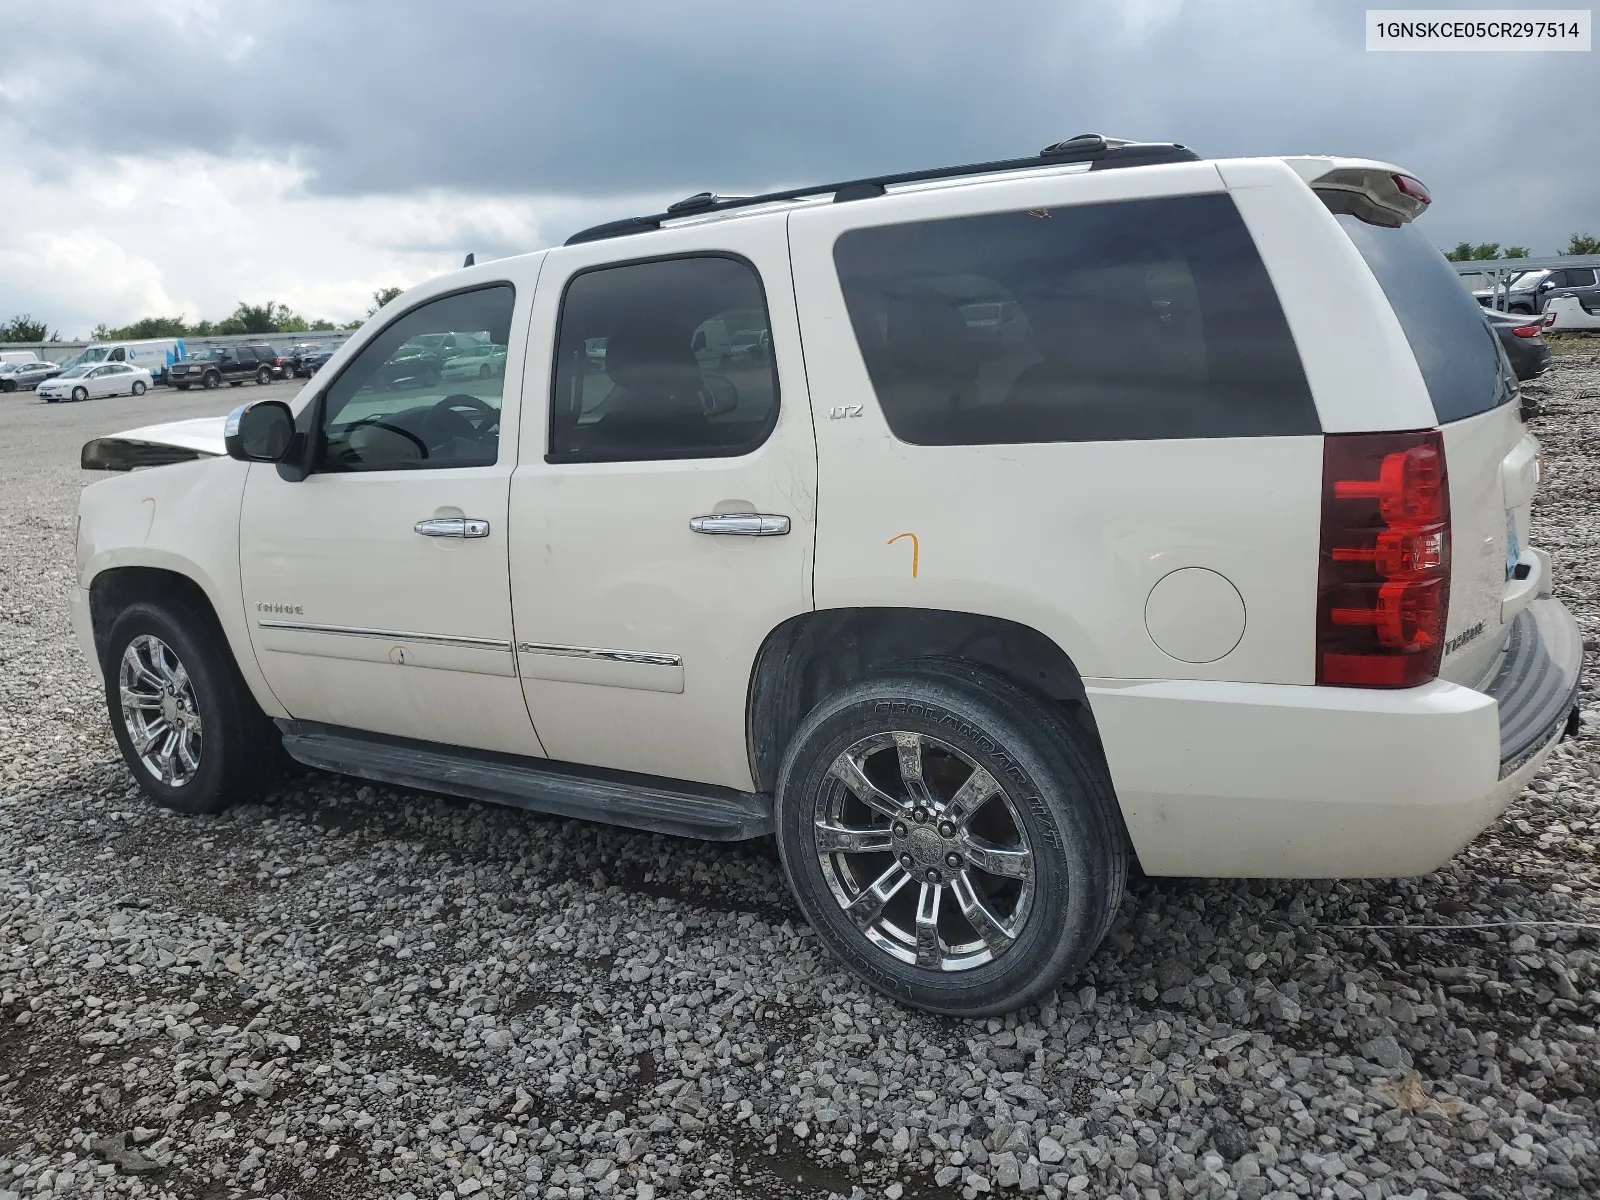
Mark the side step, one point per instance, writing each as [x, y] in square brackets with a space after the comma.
[671, 806]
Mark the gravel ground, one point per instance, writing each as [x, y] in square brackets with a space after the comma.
[353, 991]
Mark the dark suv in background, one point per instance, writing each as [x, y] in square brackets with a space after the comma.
[232, 365]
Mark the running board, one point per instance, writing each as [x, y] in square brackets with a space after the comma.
[671, 806]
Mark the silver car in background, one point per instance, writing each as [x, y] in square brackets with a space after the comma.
[22, 376]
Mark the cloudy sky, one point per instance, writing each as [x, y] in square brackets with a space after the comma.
[166, 156]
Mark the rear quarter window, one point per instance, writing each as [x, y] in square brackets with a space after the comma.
[1139, 319]
[1455, 349]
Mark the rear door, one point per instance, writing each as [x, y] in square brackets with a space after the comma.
[1491, 458]
[663, 510]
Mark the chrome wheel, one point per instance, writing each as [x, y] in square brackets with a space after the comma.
[924, 851]
[159, 710]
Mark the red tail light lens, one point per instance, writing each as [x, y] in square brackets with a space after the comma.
[1383, 581]
[1528, 330]
[1413, 187]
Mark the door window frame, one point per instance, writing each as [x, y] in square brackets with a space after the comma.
[555, 360]
[313, 413]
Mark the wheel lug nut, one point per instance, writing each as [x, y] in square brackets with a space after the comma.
[906, 860]
[900, 829]
[920, 816]
[931, 875]
[946, 830]
[952, 859]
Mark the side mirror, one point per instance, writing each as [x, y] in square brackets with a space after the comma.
[259, 432]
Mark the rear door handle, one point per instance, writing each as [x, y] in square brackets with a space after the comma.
[456, 527]
[741, 524]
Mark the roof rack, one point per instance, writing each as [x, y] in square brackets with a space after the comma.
[1102, 153]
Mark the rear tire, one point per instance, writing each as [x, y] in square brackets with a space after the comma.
[205, 742]
[1034, 848]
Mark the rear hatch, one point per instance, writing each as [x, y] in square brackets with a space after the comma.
[1491, 459]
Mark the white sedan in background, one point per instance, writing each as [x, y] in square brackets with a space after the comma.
[90, 380]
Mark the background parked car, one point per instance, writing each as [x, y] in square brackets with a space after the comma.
[1531, 291]
[232, 365]
[26, 375]
[1523, 338]
[87, 381]
[310, 359]
[156, 355]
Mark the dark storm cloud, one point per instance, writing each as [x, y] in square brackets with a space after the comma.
[637, 97]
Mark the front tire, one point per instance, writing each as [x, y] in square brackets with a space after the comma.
[8, 385]
[264, 376]
[185, 722]
[138, 387]
[953, 838]
[79, 393]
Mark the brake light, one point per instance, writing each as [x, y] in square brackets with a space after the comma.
[1527, 331]
[1383, 578]
[1410, 186]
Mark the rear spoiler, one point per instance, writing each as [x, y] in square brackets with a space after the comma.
[1377, 195]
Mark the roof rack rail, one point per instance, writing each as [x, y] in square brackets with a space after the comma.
[1102, 153]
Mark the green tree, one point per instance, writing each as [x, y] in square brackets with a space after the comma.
[1583, 243]
[23, 328]
[1518, 252]
[147, 327]
[381, 297]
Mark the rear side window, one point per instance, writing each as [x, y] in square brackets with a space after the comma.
[663, 359]
[1456, 350]
[1104, 322]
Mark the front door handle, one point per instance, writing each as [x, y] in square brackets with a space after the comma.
[452, 527]
[741, 524]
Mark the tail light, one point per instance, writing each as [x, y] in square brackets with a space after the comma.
[1527, 331]
[1549, 317]
[1383, 579]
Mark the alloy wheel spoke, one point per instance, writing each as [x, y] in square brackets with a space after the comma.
[843, 839]
[189, 752]
[929, 951]
[166, 756]
[848, 772]
[866, 908]
[1012, 862]
[147, 737]
[979, 915]
[976, 791]
[140, 701]
[910, 747]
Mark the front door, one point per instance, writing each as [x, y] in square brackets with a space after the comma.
[662, 514]
[376, 588]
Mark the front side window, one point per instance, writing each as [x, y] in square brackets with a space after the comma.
[395, 407]
[1102, 322]
[665, 359]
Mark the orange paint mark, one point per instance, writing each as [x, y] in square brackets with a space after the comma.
[916, 549]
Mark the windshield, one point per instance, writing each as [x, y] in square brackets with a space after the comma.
[1460, 358]
[1529, 280]
[76, 372]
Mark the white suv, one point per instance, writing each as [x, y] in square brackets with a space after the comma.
[1111, 501]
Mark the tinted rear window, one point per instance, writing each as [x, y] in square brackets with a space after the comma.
[1103, 322]
[1453, 344]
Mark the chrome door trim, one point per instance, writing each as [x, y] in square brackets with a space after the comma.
[595, 652]
[742, 524]
[393, 635]
[453, 527]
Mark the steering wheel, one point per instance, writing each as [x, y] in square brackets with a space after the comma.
[422, 447]
[449, 411]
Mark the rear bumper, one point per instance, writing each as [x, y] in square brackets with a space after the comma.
[1290, 781]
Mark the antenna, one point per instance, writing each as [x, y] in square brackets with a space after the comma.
[471, 259]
